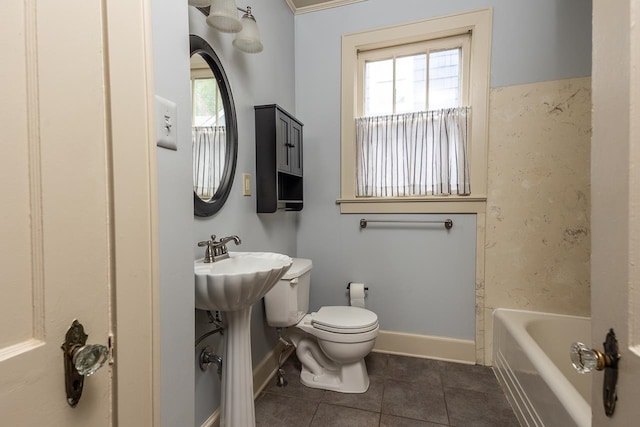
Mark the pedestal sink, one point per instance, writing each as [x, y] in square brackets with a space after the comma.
[232, 286]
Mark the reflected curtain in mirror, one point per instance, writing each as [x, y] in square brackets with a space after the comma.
[209, 158]
[413, 154]
[214, 129]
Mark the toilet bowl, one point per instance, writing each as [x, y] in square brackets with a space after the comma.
[331, 343]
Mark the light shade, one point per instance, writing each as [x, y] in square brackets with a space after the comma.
[200, 3]
[248, 40]
[223, 16]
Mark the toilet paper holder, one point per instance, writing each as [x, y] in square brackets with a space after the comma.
[366, 288]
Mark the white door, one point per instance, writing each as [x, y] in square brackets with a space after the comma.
[615, 160]
[59, 225]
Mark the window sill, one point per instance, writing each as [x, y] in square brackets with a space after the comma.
[449, 204]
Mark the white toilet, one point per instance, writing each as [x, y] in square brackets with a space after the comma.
[331, 343]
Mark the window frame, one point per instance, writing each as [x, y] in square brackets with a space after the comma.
[427, 47]
[479, 24]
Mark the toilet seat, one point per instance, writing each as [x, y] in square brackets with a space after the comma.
[305, 325]
[344, 320]
[341, 324]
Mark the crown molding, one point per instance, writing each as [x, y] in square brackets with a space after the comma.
[319, 6]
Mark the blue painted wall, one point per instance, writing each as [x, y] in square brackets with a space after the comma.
[421, 280]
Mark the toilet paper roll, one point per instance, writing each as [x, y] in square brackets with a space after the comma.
[356, 294]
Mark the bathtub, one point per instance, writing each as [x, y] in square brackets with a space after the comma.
[531, 362]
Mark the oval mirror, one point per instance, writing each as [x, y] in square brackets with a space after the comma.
[214, 131]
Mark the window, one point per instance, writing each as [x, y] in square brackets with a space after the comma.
[410, 82]
[417, 77]
[412, 120]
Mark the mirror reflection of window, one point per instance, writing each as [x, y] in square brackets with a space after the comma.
[207, 103]
[208, 130]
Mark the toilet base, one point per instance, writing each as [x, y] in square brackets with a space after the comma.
[349, 378]
[319, 371]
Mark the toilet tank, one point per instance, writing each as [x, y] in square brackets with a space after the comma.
[288, 301]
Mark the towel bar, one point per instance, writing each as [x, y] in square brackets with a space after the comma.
[448, 223]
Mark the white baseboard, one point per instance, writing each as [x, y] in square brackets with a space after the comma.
[425, 346]
[262, 373]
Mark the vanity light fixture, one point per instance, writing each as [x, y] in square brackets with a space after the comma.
[200, 3]
[248, 39]
[223, 16]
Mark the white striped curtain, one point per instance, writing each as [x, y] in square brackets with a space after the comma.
[209, 153]
[413, 154]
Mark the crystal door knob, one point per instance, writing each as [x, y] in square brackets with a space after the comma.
[80, 360]
[585, 359]
[89, 358]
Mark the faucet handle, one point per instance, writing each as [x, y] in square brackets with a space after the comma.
[208, 254]
[208, 242]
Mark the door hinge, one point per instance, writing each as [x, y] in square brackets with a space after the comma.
[111, 343]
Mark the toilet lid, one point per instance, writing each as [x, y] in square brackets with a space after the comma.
[345, 319]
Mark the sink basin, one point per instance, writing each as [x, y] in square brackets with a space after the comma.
[239, 281]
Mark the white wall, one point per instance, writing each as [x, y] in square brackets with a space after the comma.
[421, 281]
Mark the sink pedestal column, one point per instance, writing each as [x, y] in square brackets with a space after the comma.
[237, 408]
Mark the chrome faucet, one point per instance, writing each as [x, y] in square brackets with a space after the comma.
[217, 250]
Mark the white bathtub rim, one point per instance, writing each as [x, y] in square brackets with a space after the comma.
[577, 407]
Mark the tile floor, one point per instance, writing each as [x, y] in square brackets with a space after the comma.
[404, 392]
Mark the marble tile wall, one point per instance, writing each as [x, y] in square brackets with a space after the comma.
[537, 242]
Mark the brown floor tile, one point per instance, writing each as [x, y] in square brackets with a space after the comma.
[416, 400]
[391, 421]
[283, 411]
[339, 416]
[412, 369]
[404, 392]
[376, 364]
[371, 400]
[468, 408]
[470, 377]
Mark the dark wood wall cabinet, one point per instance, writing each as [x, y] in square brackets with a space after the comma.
[278, 160]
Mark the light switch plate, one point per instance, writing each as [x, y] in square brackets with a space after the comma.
[246, 184]
[166, 119]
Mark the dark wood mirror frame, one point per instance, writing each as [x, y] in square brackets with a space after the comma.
[207, 208]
